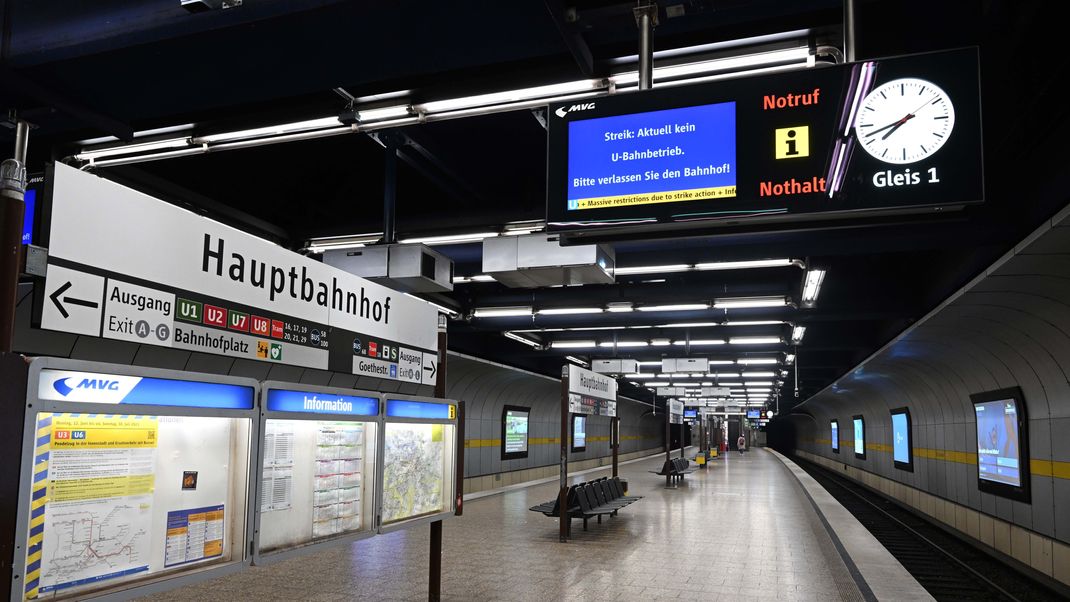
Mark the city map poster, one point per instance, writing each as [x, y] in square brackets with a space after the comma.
[91, 516]
[413, 470]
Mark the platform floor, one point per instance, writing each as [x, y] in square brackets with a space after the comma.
[740, 530]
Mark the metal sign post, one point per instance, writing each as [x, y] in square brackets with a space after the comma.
[434, 579]
[562, 494]
[614, 436]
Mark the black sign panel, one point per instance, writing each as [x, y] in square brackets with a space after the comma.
[893, 135]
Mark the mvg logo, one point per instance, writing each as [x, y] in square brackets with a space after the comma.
[64, 388]
[562, 111]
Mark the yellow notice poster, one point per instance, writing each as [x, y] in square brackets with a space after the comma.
[95, 506]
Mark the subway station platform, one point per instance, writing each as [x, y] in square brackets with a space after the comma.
[750, 527]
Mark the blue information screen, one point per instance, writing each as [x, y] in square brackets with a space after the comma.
[860, 436]
[403, 408]
[668, 156]
[901, 438]
[997, 441]
[27, 222]
[835, 435]
[280, 400]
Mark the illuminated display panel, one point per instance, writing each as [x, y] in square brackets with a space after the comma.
[515, 420]
[859, 424]
[1002, 443]
[902, 450]
[579, 433]
[835, 436]
[863, 137]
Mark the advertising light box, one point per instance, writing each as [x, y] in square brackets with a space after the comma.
[893, 135]
[835, 426]
[419, 448]
[515, 421]
[136, 474]
[1002, 443]
[859, 437]
[902, 452]
[317, 465]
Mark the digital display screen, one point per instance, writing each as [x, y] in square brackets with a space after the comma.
[579, 433]
[754, 414]
[901, 438]
[516, 431]
[669, 156]
[835, 435]
[860, 436]
[30, 201]
[998, 455]
[690, 413]
[838, 141]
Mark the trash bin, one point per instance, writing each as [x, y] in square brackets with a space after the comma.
[624, 486]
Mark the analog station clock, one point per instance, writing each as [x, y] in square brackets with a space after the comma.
[904, 121]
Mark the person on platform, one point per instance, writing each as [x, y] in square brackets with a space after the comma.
[741, 444]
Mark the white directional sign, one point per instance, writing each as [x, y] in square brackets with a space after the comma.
[124, 265]
[670, 391]
[716, 391]
[73, 301]
[615, 366]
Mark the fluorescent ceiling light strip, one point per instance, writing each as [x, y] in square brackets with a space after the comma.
[182, 152]
[450, 238]
[749, 361]
[733, 63]
[639, 375]
[689, 325]
[743, 265]
[500, 312]
[572, 344]
[620, 307]
[760, 383]
[720, 362]
[650, 363]
[652, 269]
[700, 342]
[171, 129]
[677, 307]
[797, 334]
[521, 339]
[509, 96]
[568, 311]
[812, 286]
[383, 113]
[755, 323]
[754, 340]
[623, 344]
[576, 360]
[271, 130]
[128, 149]
[747, 302]
[759, 374]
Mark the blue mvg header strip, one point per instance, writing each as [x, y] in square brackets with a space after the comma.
[92, 387]
[281, 400]
[404, 408]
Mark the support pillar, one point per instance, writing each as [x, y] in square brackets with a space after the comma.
[12, 213]
[434, 571]
[562, 494]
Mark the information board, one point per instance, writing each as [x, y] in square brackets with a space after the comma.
[870, 137]
[1002, 443]
[121, 495]
[515, 432]
[126, 266]
[902, 451]
[419, 459]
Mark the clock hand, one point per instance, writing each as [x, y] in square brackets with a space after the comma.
[894, 125]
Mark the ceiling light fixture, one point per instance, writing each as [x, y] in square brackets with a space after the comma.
[142, 147]
[677, 307]
[620, 307]
[577, 360]
[797, 334]
[744, 265]
[749, 302]
[500, 312]
[812, 287]
[753, 361]
[509, 96]
[307, 125]
[568, 311]
[759, 374]
[700, 342]
[689, 325]
[450, 239]
[365, 115]
[624, 344]
[572, 344]
[754, 340]
[524, 340]
[652, 269]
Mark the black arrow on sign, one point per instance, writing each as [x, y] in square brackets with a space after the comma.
[62, 310]
[432, 368]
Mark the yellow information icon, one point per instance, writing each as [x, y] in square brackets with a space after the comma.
[793, 142]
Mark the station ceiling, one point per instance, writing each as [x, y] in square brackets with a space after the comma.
[80, 71]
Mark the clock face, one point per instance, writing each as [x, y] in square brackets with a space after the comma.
[904, 121]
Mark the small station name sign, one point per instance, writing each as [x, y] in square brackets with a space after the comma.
[899, 134]
[591, 393]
